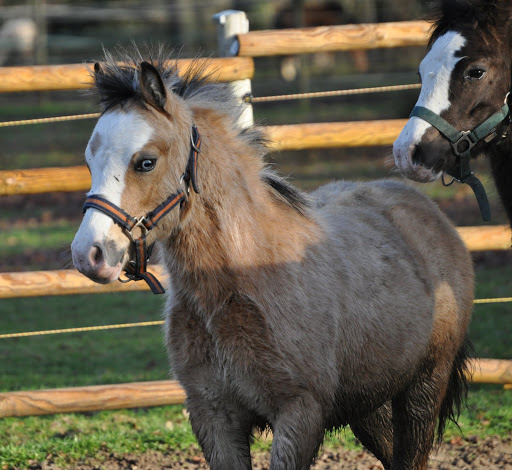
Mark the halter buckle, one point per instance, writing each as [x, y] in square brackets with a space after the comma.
[465, 136]
[140, 223]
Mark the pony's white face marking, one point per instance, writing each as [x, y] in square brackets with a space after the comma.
[435, 70]
[116, 138]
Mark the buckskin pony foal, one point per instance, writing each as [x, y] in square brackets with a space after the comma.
[299, 312]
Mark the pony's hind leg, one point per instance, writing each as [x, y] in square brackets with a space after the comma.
[415, 413]
[223, 434]
[375, 432]
[435, 397]
[298, 433]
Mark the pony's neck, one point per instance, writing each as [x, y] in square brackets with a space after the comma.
[501, 165]
[235, 230]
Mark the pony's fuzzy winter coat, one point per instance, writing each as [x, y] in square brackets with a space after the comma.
[300, 312]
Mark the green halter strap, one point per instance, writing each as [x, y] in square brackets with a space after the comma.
[462, 144]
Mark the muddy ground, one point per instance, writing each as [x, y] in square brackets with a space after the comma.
[460, 454]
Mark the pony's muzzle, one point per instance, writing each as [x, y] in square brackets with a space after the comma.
[100, 262]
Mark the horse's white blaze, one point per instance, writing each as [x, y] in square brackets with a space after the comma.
[436, 70]
[116, 138]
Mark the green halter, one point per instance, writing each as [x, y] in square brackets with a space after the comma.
[462, 144]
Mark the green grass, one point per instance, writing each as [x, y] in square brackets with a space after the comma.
[51, 235]
[73, 437]
[73, 359]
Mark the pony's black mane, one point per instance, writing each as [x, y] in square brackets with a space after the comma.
[116, 77]
[116, 82]
[489, 19]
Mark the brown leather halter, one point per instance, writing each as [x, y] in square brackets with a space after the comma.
[136, 269]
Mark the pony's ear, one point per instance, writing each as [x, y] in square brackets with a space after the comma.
[152, 86]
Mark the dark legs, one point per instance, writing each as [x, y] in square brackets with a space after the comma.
[298, 434]
[401, 432]
[376, 433]
[222, 433]
[415, 413]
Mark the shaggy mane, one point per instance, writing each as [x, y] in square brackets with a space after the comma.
[489, 19]
[116, 83]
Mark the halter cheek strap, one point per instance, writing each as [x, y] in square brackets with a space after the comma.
[136, 269]
[190, 175]
[462, 143]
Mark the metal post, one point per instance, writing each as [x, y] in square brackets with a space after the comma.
[230, 23]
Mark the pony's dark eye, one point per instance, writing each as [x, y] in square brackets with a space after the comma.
[145, 164]
[476, 72]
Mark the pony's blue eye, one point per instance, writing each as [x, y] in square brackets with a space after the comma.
[145, 164]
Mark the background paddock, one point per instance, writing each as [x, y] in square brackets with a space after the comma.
[288, 137]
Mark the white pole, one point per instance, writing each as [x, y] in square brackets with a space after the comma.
[230, 23]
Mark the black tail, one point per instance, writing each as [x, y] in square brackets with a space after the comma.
[457, 391]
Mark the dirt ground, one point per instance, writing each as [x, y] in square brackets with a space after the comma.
[460, 454]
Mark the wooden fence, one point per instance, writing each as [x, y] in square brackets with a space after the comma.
[284, 137]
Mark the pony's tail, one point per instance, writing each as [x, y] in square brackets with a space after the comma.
[457, 391]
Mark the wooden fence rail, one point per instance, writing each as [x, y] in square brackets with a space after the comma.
[157, 393]
[77, 76]
[287, 137]
[333, 38]
[70, 281]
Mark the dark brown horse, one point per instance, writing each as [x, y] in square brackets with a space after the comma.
[462, 110]
[298, 312]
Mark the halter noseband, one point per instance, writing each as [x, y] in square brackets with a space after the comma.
[136, 269]
[462, 143]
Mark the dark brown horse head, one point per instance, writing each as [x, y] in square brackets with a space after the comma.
[466, 78]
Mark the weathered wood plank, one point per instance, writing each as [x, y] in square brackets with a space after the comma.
[77, 76]
[333, 38]
[164, 392]
[334, 134]
[93, 398]
[287, 137]
[70, 281]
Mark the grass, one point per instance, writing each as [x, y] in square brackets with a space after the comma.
[51, 235]
[131, 354]
[73, 437]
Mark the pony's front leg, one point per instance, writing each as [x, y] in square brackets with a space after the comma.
[223, 433]
[298, 433]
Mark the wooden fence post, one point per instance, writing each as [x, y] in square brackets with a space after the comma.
[230, 23]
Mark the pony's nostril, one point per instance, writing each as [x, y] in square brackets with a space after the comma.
[96, 256]
[417, 154]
